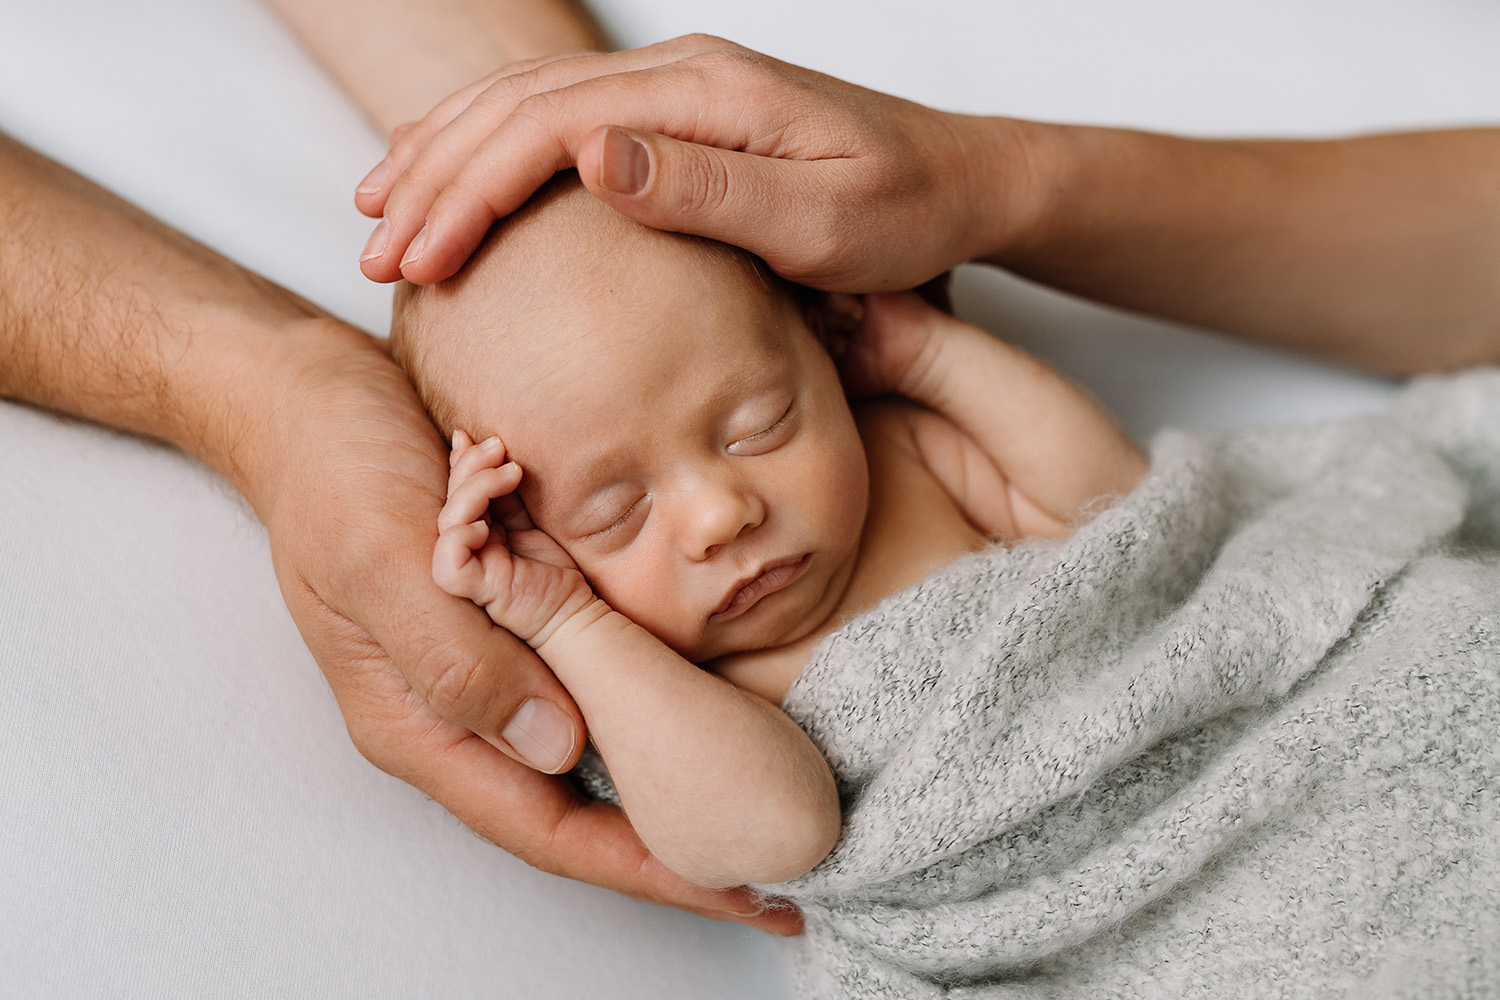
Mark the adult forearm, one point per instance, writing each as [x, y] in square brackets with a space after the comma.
[109, 315]
[398, 58]
[1381, 251]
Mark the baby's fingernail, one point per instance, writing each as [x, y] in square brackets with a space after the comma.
[414, 249]
[375, 179]
[375, 245]
[755, 910]
[624, 166]
[542, 734]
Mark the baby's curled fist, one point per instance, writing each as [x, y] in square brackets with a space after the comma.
[489, 551]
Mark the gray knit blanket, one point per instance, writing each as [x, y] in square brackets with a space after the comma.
[1239, 736]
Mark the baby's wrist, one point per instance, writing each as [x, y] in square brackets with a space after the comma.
[570, 623]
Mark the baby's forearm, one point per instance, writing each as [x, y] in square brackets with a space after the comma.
[1048, 437]
[721, 786]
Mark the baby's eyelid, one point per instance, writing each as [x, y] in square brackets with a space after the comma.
[620, 522]
[780, 424]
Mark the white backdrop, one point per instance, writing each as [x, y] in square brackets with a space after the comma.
[181, 812]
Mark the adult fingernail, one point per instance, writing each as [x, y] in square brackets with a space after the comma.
[375, 179]
[414, 249]
[624, 166]
[375, 245]
[542, 734]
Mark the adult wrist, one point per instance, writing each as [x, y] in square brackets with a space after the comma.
[271, 388]
[1012, 172]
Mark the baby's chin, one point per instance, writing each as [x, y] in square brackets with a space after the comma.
[750, 633]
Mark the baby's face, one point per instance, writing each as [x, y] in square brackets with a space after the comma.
[685, 438]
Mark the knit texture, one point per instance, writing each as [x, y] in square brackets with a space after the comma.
[1236, 737]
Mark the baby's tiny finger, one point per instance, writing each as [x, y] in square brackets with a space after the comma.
[471, 535]
[454, 564]
[489, 454]
[470, 500]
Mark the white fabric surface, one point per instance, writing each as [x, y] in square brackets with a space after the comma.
[181, 812]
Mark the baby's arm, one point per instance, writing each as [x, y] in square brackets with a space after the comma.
[720, 785]
[1019, 447]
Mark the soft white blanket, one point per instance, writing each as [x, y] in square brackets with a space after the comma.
[1237, 737]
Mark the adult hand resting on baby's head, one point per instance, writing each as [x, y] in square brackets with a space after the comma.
[835, 186]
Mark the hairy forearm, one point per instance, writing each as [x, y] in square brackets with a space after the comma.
[719, 784]
[1381, 251]
[108, 315]
[399, 58]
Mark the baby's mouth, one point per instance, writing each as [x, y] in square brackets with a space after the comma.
[776, 576]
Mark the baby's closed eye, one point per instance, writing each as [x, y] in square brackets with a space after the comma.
[612, 517]
[767, 427]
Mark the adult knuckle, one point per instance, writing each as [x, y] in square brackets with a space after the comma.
[727, 65]
[406, 147]
[705, 184]
[448, 679]
[501, 97]
[699, 41]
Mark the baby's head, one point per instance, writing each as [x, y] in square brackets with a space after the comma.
[681, 431]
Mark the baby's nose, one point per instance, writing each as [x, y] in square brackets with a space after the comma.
[720, 514]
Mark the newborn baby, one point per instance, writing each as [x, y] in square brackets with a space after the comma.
[672, 499]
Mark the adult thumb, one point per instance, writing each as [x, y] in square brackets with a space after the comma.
[740, 198]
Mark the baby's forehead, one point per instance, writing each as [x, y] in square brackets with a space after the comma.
[567, 291]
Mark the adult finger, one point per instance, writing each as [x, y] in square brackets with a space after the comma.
[522, 131]
[546, 73]
[408, 140]
[428, 157]
[477, 675]
[730, 196]
[405, 143]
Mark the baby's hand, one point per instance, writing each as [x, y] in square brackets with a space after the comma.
[893, 346]
[489, 551]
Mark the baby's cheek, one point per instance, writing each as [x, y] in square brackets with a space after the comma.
[645, 594]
